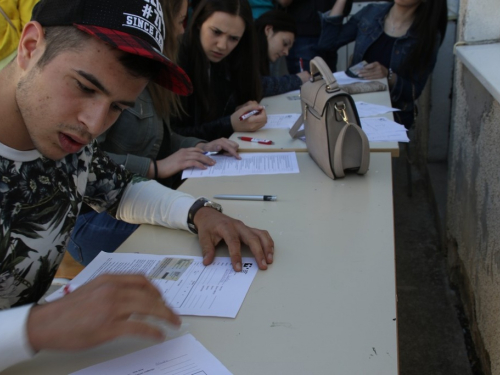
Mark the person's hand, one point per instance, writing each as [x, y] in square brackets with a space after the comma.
[251, 124]
[180, 160]
[374, 70]
[214, 226]
[221, 144]
[98, 312]
[304, 76]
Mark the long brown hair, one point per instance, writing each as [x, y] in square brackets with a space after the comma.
[241, 64]
[430, 21]
[280, 21]
[165, 102]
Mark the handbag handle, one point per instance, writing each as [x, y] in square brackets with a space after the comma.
[319, 68]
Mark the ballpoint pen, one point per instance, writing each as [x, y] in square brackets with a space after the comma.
[247, 197]
[257, 140]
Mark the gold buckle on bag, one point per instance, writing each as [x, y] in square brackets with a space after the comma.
[340, 108]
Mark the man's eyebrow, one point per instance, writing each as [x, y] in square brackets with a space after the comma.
[92, 79]
[89, 77]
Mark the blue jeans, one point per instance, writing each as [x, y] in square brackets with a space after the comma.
[94, 232]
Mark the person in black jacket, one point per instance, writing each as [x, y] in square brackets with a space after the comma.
[306, 15]
[219, 54]
[276, 32]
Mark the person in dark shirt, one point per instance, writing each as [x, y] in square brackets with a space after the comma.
[306, 15]
[219, 54]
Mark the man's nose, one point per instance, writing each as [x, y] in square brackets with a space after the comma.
[95, 118]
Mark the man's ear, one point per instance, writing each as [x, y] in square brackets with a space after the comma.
[31, 45]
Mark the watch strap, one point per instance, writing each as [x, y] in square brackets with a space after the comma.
[199, 203]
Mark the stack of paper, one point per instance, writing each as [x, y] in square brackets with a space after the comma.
[189, 287]
[183, 355]
[380, 129]
[251, 163]
[367, 109]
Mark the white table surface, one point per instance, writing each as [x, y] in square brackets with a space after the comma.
[326, 306]
[280, 104]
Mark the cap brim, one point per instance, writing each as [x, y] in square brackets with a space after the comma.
[170, 76]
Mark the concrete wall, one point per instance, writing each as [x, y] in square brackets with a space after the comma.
[473, 213]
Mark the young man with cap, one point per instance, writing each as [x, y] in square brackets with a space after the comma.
[79, 64]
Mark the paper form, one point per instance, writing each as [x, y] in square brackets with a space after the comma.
[343, 79]
[251, 163]
[380, 129]
[187, 286]
[180, 356]
[293, 95]
[282, 121]
[368, 109]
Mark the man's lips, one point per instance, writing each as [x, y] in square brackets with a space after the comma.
[71, 143]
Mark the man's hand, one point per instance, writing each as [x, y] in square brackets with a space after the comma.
[221, 144]
[98, 312]
[252, 123]
[213, 227]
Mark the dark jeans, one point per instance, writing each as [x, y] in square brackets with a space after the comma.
[94, 232]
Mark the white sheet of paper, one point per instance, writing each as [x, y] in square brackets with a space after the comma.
[380, 129]
[282, 121]
[180, 356]
[367, 109]
[189, 287]
[344, 79]
[251, 163]
[293, 95]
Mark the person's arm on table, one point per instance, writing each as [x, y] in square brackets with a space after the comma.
[149, 202]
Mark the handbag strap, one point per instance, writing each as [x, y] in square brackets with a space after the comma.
[294, 130]
[338, 158]
[8, 20]
[319, 68]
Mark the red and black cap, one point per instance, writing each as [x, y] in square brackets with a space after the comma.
[132, 26]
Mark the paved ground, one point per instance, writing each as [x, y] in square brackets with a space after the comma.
[431, 337]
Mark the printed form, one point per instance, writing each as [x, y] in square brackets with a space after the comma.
[180, 356]
[380, 129]
[283, 121]
[367, 109]
[251, 163]
[187, 286]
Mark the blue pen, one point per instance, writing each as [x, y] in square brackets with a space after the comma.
[210, 153]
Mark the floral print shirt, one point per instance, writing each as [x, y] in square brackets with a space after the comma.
[39, 202]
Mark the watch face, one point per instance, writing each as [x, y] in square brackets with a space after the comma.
[214, 205]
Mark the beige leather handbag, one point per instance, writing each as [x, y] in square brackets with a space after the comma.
[332, 128]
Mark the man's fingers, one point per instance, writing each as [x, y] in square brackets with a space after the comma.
[207, 245]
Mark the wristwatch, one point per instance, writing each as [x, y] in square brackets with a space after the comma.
[199, 203]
